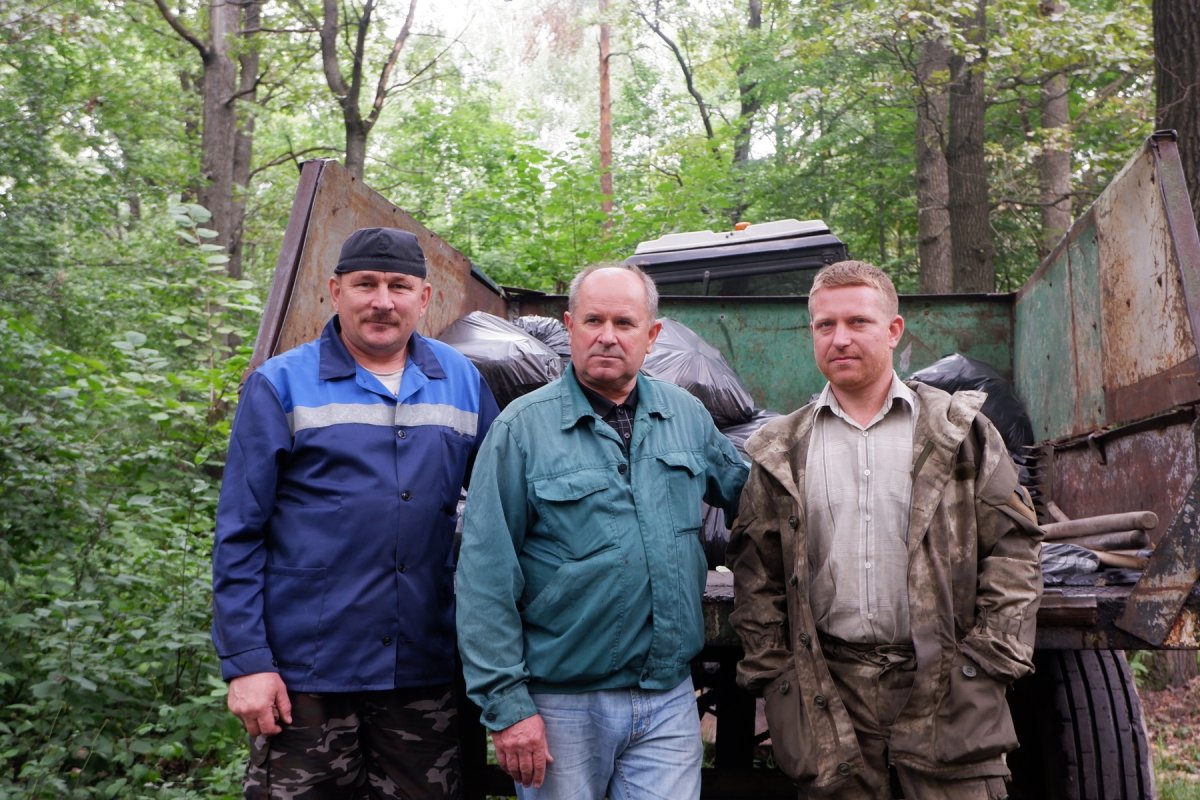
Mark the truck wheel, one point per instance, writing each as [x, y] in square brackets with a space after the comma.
[1079, 721]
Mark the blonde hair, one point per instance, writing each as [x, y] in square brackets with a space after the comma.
[858, 273]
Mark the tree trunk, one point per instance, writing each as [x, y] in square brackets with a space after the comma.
[970, 234]
[220, 120]
[933, 187]
[244, 137]
[1177, 83]
[747, 95]
[606, 153]
[1055, 162]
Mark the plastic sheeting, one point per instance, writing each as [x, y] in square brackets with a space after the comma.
[1002, 407]
[547, 330]
[511, 361]
[681, 357]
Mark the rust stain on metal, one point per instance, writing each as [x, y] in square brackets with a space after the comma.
[1185, 633]
[1160, 594]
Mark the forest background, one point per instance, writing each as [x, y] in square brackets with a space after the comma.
[148, 156]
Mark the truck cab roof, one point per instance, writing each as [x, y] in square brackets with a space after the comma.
[767, 258]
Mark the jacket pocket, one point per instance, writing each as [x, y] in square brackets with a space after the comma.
[684, 473]
[293, 599]
[573, 507]
[972, 721]
[791, 731]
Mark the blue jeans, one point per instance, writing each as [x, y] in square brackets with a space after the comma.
[626, 744]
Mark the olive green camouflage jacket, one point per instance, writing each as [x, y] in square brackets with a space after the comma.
[974, 584]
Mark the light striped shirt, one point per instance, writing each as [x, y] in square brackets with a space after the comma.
[858, 492]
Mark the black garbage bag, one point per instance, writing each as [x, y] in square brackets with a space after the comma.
[1061, 561]
[738, 434]
[681, 357]
[1002, 406]
[547, 330]
[714, 535]
[511, 361]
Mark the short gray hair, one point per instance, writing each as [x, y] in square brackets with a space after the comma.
[647, 284]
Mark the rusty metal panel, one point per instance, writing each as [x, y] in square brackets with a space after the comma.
[1146, 331]
[1152, 611]
[1150, 469]
[1103, 330]
[1044, 343]
[330, 205]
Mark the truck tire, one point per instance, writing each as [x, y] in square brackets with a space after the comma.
[1079, 721]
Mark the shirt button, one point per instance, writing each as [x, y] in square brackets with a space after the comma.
[402, 434]
[843, 768]
[386, 640]
[868, 565]
[867, 472]
[820, 702]
[866, 434]
[968, 670]
[402, 568]
[870, 616]
[406, 495]
[622, 468]
[490, 716]
[806, 641]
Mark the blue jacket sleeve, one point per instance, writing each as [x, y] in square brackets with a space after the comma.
[260, 441]
[489, 583]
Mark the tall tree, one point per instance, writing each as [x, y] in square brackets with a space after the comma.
[354, 35]
[1054, 163]
[220, 147]
[970, 234]
[933, 180]
[1177, 82]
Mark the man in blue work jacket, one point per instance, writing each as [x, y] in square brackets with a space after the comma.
[582, 570]
[333, 599]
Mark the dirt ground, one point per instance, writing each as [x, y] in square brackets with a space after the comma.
[1173, 723]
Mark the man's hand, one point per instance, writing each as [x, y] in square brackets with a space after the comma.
[521, 751]
[260, 701]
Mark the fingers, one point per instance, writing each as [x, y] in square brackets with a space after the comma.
[521, 751]
[260, 700]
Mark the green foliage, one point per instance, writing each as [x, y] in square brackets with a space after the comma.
[110, 463]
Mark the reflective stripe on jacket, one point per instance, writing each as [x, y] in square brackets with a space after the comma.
[333, 560]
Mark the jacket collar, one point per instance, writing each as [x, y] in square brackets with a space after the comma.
[337, 363]
[576, 406]
[943, 421]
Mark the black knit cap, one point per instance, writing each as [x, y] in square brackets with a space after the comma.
[382, 250]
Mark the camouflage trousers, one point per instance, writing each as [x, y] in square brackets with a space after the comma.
[360, 746]
[874, 683]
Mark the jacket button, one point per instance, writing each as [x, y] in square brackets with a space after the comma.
[622, 468]
[785, 687]
[386, 640]
[490, 716]
[402, 568]
[820, 701]
[402, 434]
[806, 641]
[794, 580]
[406, 495]
[843, 768]
[793, 522]
[969, 670]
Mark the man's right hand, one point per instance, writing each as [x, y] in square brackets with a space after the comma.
[521, 751]
[260, 701]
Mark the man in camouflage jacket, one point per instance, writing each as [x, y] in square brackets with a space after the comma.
[930, 705]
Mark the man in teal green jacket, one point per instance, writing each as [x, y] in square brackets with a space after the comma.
[581, 572]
